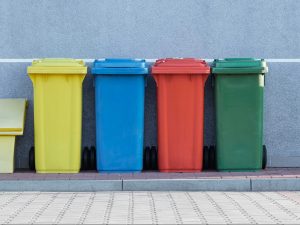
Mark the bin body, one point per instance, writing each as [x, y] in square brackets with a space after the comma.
[12, 121]
[180, 108]
[119, 96]
[239, 88]
[57, 114]
[7, 153]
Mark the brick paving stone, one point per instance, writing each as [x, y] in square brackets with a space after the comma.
[103, 176]
[82, 176]
[289, 176]
[209, 175]
[277, 176]
[8, 177]
[127, 176]
[234, 177]
[52, 176]
[143, 175]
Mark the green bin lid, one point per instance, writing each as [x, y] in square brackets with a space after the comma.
[239, 66]
[57, 66]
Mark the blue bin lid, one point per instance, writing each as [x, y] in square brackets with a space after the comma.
[119, 66]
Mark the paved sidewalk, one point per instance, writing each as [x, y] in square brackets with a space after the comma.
[272, 179]
[150, 208]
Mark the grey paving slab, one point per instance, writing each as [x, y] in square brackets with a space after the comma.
[275, 184]
[187, 185]
[61, 185]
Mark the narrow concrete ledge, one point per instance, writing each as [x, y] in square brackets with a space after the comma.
[61, 185]
[253, 184]
[271, 179]
[187, 185]
[276, 184]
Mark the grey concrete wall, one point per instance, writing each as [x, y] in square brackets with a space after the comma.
[155, 29]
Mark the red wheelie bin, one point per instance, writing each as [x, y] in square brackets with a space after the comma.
[180, 96]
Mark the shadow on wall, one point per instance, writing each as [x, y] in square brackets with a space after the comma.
[209, 115]
[150, 131]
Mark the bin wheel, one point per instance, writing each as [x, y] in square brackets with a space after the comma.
[205, 157]
[92, 158]
[85, 159]
[153, 158]
[212, 157]
[147, 158]
[31, 159]
[264, 158]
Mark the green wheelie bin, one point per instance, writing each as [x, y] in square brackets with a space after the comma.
[239, 89]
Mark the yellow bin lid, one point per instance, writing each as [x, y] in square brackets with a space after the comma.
[57, 66]
[12, 116]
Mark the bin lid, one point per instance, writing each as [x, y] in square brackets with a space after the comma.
[57, 66]
[119, 66]
[12, 116]
[239, 66]
[180, 65]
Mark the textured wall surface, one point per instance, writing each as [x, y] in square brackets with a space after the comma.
[155, 29]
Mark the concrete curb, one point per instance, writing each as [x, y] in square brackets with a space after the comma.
[276, 184]
[187, 185]
[249, 184]
[61, 185]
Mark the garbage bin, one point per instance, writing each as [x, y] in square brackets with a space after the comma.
[239, 89]
[119, 94]
[180, 105]
[12, 120]
[57, 87]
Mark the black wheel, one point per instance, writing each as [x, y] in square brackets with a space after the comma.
[264, 158]
[147, 158]
[212, 157]
[92, 158]
[85, 159]
[31, 159]
[205, 158]
[153, 158]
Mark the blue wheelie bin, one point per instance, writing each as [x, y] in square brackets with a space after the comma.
[120, 91]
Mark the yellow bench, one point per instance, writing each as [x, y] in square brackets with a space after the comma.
[12, 119]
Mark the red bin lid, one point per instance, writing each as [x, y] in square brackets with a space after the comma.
[180, 65]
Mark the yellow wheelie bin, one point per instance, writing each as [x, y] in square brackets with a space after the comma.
[57, 87]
